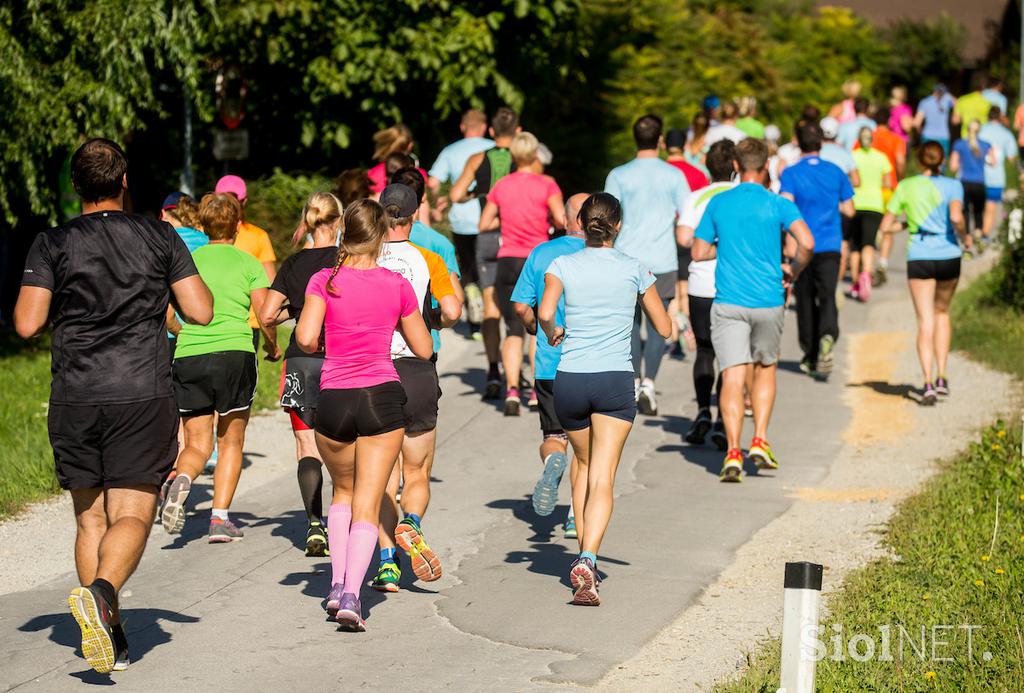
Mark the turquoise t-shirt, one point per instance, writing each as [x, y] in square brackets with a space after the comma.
[601, 288]
[463, 216]
[652, 193]
[426, 237]
[746, 223]
[925, 201]
[529, 290]
[194, 239]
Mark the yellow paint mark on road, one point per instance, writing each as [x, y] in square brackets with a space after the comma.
[843, 495]
[882, 411]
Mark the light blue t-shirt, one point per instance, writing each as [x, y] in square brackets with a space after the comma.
[529, 290]
[996, 98]
[194, 239]
[1005, 146]
[850, 130]
[925, 201]
[601, 288]
[426, 237]
[463, 216]
[936, 116]
[652, 193]
[747, 223]
[834, 154]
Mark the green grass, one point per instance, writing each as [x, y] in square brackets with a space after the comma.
[26, 460]
[987, 330]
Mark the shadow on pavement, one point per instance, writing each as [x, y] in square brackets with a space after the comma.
[522, 509]
[197, 526]
[884, 388]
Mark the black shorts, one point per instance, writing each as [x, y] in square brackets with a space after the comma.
[549, 424]
[863, 230]
[422, 392]
[114, 445]
[300, 386]
[578, 396]
[172, 343]
[940, 270]
[345, 415]
[222, 382]
[509, 269]
[487, 245]
[465, 254]
[684, 256]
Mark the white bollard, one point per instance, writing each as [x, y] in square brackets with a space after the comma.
[800, 627]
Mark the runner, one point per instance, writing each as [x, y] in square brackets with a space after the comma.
[901, 115]
[849, 131]
[300, 378]
[426, 272]
[480, 174]
[215, 370]
[355, 309]
[696, 146]
[722, 164]
[652, 194]
[933, 115]
[968, 160]
[351, 185]
[834, 153]
[933, 205]
[464, 216]
[113, 430]
[527, 202]
[526, 296]
[894, 147]
[397, 138]
[726, 130]
[822, 194]
[594, 399]
[180, 211]
[968, 108]
[675, 144]
[748, 122]
[995, 93]
[740, 228]
[877, 180]
[845, 110]
[1004, 146]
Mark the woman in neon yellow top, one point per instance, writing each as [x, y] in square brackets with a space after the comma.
[876, 176]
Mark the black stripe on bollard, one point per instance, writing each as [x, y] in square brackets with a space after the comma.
[803, 576]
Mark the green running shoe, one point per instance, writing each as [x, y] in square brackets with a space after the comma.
[388, 577]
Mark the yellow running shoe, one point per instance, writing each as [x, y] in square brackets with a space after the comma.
[732, 468]
[761, 454]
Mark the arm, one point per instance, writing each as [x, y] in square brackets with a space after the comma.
[854, 177]
[489, 218]
[451, 310]
[919, 120]
[556, 208]
[956, 218]
[193, 300]
[416, 335]
[800, 233]
[460, 191]
[846, 208]
[525, 313]
[954, 162]
[684, 235]
[311, 324]
[273, 306]
[656, 313]
[32, 311]
[271, 269]
[901, 166]
[553, 289]
[702, 250]
[460, 295]
[258, 297]
[171, 322]
[888, 224]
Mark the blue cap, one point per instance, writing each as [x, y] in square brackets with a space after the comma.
[171, 201]
[711, 101]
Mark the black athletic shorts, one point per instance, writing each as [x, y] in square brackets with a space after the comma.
[222, 382]
[509, 269]
[172, 343]
[863, 230]
[422, 392]
[344, 415]
[549, 424]
[578, 396]
[300, 386]
[684, 256]
[114, 445]
[465, 254]
[941, 270]
[487, 245]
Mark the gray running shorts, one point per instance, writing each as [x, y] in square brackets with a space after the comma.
[487, 245]
[746, 335]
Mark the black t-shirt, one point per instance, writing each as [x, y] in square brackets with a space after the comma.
[110, 274]
[292, 280]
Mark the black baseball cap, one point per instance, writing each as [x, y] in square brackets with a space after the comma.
[401, 196]
[675, 138]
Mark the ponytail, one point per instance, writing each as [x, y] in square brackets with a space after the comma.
[600, 217]
[321, 209]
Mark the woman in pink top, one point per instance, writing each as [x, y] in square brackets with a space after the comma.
[901, 116]
[528, 202]
[354, 309]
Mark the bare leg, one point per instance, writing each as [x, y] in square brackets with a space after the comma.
[886, 247]
[607, 438]
[91, 520]
[374, 462]
[552, 445]
[922, 291]
[989, 218]
[389, 510]
[854, 266]
[491, 328]
[130, 512]
[730, 403]
[340, 460]
[763, 398]
[198, 445]
[580, 441]
[230, 439]
[868, 259]
[943, 329]
[417, 462]
[512, 359]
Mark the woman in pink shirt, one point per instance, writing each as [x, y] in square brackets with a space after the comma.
[901, 116]
[354, 309]
[524, 205]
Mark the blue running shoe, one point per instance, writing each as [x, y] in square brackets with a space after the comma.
[570, 527]
[545, 493]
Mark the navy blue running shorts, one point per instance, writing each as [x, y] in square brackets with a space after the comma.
[578, 396]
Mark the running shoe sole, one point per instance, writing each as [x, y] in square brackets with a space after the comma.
[172, 514]
[928, 400]
[512, 407]
[492, 391]
[350, 621]
[316, 546]
[826, 357]
[733, 474]
[97, 643]
[643, 403]
[699, 432]
[583, 584]
[425, 563]
[545, 493]
[762, 460]
[387, 587]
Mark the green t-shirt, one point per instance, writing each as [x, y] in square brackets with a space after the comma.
[970, 107]
[752, 127]
[231, 274]
[873, 166]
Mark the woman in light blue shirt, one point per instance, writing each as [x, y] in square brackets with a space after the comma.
[595, 399]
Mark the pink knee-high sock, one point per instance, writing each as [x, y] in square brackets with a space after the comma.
[339, 517]
[362, 539]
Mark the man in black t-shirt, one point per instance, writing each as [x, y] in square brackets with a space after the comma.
[104, 281]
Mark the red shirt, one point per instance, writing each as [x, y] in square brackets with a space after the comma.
[694, 176]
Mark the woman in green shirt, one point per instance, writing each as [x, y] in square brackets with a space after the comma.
[876, 176]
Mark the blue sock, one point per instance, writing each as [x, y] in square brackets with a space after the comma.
[414, 517]
[588, 554]
[387, 555]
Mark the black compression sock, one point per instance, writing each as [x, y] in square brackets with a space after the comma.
[311, 484]
[106, 591]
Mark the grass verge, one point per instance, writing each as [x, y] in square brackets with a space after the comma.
[988, 331]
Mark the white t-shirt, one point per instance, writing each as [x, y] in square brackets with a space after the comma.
[702, 274]
[724, 131]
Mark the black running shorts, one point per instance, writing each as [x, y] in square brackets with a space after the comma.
[344, 415]
[578, 396]
[940, 270]
[422, 392]
[487, 246]
[113, 445]
[863, 230]
[549, 424]
[509, 269]
[300, 386]
[222, 382]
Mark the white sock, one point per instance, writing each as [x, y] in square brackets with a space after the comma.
[220, 513]
[648, 382]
